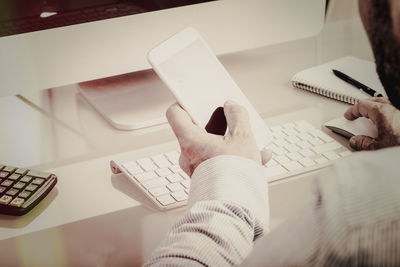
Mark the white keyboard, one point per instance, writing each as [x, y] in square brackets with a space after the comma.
[297, 147]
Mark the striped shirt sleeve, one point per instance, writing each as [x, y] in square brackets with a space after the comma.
[227, 211]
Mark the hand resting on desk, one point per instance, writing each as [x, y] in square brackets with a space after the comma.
[198, 145]
[386, 118]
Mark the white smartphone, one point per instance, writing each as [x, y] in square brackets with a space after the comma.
[200, 82]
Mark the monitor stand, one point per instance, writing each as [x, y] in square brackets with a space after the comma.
[129, 101]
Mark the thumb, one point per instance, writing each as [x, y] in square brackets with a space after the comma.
[362, 142]
[237, 119]
[266, 156]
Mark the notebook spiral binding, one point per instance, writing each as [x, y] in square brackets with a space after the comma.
[321, 91]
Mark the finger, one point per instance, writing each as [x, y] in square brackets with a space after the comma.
[181, 123]
[382, 100]
[366, 108]
[361, 142]
[266, 156]
[237, 118]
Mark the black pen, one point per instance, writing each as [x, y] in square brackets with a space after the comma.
[357, 84]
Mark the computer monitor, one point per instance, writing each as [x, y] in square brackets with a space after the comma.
[63, 51]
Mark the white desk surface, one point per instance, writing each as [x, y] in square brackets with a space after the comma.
[95, 218]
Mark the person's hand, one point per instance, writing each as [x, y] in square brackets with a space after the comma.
[386, 118]
[197, 145]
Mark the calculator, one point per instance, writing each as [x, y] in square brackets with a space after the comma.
[22, 189]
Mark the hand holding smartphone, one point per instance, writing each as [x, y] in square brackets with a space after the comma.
[200, 83]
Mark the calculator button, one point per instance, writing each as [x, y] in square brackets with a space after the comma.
[2, 189]
[4, 200]
[21, 171]
[31, 187]
[4, 174]
[9, 169]
[26, 179]
[14, 176]
[7, 183]
[12, 192]
[44, 175]
[38, 181]
[19, 185]
[24, 194]
[17, 202]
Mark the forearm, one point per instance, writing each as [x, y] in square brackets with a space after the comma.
[228, 210]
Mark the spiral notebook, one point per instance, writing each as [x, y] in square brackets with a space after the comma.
[322, 81]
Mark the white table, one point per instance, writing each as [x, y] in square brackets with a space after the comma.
[95, 218]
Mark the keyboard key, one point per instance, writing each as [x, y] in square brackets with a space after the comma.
[294, 156]
[304, 144]
[307, 153]
[293, 166]
[133, 168]
[174, 178]
[179, 196]
[2, 189]
[307, 162]
[271, 163]
[163, 172]
[155, 183]
[142, 177]
[166, 200]
[293, 139]
[161, 161]
[17, 202]
[321, 160]
[175, 187]
[281, 142]
[158, 191]
[331, 155]
[173, 157]
[292, 148]
[316, 141]
[326, 147]
[326, 138]
[4, 200]
[174, 168]
[279, 151]
[186, 183]
[282, 159]
[147, 164]
[184, 175]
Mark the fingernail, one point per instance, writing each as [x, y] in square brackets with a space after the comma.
[230, 102]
